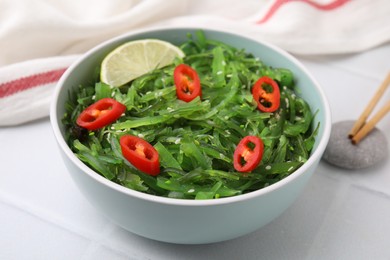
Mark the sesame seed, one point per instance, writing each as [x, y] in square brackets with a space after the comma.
[268, 167]
[190, 190]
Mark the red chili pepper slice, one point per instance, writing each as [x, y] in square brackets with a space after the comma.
[267, 94]
[101, 113]
[140, 154]
[187, 83]
[248, 153]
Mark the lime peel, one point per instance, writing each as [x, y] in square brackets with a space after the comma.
[136, 58]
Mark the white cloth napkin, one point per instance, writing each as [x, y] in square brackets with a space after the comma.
[40, 39]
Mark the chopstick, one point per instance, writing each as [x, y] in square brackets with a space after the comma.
[360, 129]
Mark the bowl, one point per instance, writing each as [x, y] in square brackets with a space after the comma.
[190, 221]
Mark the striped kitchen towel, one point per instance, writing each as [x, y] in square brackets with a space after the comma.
[40, 39]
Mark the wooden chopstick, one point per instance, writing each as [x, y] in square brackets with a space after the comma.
[371, 124]
[360, 129]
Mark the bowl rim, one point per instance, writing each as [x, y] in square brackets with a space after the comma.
[55, 121]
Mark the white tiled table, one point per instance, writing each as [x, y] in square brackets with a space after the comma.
[341, 214]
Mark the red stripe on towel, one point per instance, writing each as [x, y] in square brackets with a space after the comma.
[17, 85]
[324, 7]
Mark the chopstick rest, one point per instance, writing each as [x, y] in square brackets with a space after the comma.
[346, 147]
[341, 152]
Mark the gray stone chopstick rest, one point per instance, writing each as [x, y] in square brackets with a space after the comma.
[341, 152]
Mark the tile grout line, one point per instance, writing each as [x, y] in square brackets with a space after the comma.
[367, 189]
[357, 72]
[95, 244]
[43, 215]
[47, 217]
[335, 205]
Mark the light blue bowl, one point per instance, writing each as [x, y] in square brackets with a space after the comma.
[190, 221]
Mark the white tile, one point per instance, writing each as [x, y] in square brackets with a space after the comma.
[24, 236]
[358, 229]
[43, 184]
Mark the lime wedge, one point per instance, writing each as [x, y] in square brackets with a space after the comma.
[136, 58]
